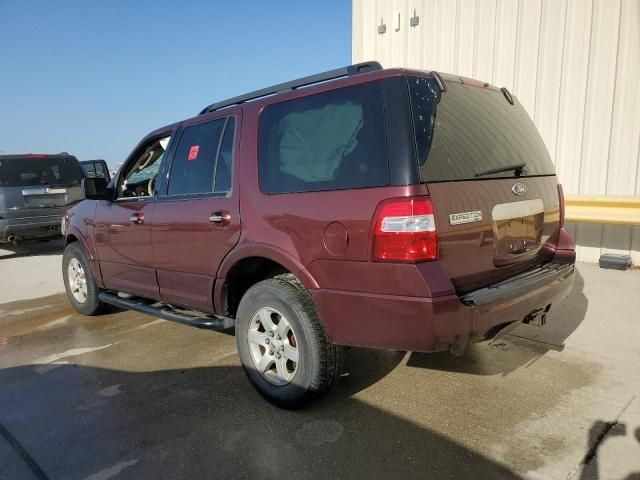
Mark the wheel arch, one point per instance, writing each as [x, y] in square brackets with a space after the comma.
[249, 265]
[74, 235]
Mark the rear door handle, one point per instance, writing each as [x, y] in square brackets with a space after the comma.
[137, 218]
[220, 218]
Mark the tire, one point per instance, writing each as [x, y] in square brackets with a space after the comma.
[319, 361]
[91, 304]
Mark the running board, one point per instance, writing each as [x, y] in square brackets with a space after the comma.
[165, 312]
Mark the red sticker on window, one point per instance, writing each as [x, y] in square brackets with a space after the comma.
[193, 152]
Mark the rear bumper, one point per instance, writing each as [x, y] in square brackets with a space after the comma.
[439, 323]
[30, 228]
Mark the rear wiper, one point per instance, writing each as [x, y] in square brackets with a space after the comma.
[519, 169]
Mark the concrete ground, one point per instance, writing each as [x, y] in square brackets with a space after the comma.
[128, 396]
[36, 270]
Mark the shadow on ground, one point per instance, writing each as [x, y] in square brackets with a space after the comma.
[31, 249]
[209, 422]
[521, 347]
[77, 421]
[599, 432]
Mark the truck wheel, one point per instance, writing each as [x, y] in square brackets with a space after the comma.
[282, 344]
[79, 283]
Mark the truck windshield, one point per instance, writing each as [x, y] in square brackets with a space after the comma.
[28, 171]
[470, 132]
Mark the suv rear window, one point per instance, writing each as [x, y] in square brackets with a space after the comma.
[467, 131]
[29, 172]
[328, 141]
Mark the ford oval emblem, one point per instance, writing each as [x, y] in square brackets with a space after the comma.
[519, 188]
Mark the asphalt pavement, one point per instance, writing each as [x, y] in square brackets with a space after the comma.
[128, 396]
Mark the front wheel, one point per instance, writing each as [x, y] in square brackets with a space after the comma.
[79, 282]
[282, 344]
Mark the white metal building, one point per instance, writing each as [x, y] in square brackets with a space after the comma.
[574, 65]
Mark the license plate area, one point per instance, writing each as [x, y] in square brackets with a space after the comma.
[42, 201]
[517, 231]
[44, 197]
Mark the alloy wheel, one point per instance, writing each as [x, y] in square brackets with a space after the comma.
[77, 280]
[273, 346]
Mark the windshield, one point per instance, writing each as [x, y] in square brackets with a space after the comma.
[469, 132]
[29, 172]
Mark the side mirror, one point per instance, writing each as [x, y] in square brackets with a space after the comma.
[96, 189]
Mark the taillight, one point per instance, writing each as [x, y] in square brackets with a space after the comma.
[405, 231]
[561, 204]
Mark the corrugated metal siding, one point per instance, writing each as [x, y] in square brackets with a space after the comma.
[574, 65]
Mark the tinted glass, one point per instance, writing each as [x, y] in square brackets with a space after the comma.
[223, 167]
[468, 131]
[194, 160]
[101, 170]
[94, 169]
[89, 169]
[28, 172]
[329, 141]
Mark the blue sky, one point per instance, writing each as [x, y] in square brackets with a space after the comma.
[92, 78]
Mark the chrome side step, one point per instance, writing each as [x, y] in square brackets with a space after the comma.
[160, 310]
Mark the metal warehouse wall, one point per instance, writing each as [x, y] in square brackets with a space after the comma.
[574, 65]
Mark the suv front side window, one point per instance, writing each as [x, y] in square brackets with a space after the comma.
[138, 179]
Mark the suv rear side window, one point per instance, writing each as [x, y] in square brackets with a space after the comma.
[328, 141]
[467, 131]
[194, 162]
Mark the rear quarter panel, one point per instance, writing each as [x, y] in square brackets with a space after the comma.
[328, 234]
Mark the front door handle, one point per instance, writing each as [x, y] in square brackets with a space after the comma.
[137, 218]
[220, 218]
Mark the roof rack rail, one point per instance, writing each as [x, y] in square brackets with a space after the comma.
[292, 85]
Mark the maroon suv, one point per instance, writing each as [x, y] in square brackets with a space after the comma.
[392, 209]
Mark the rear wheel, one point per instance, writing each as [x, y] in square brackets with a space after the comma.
[79, 282]
[282, 344]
